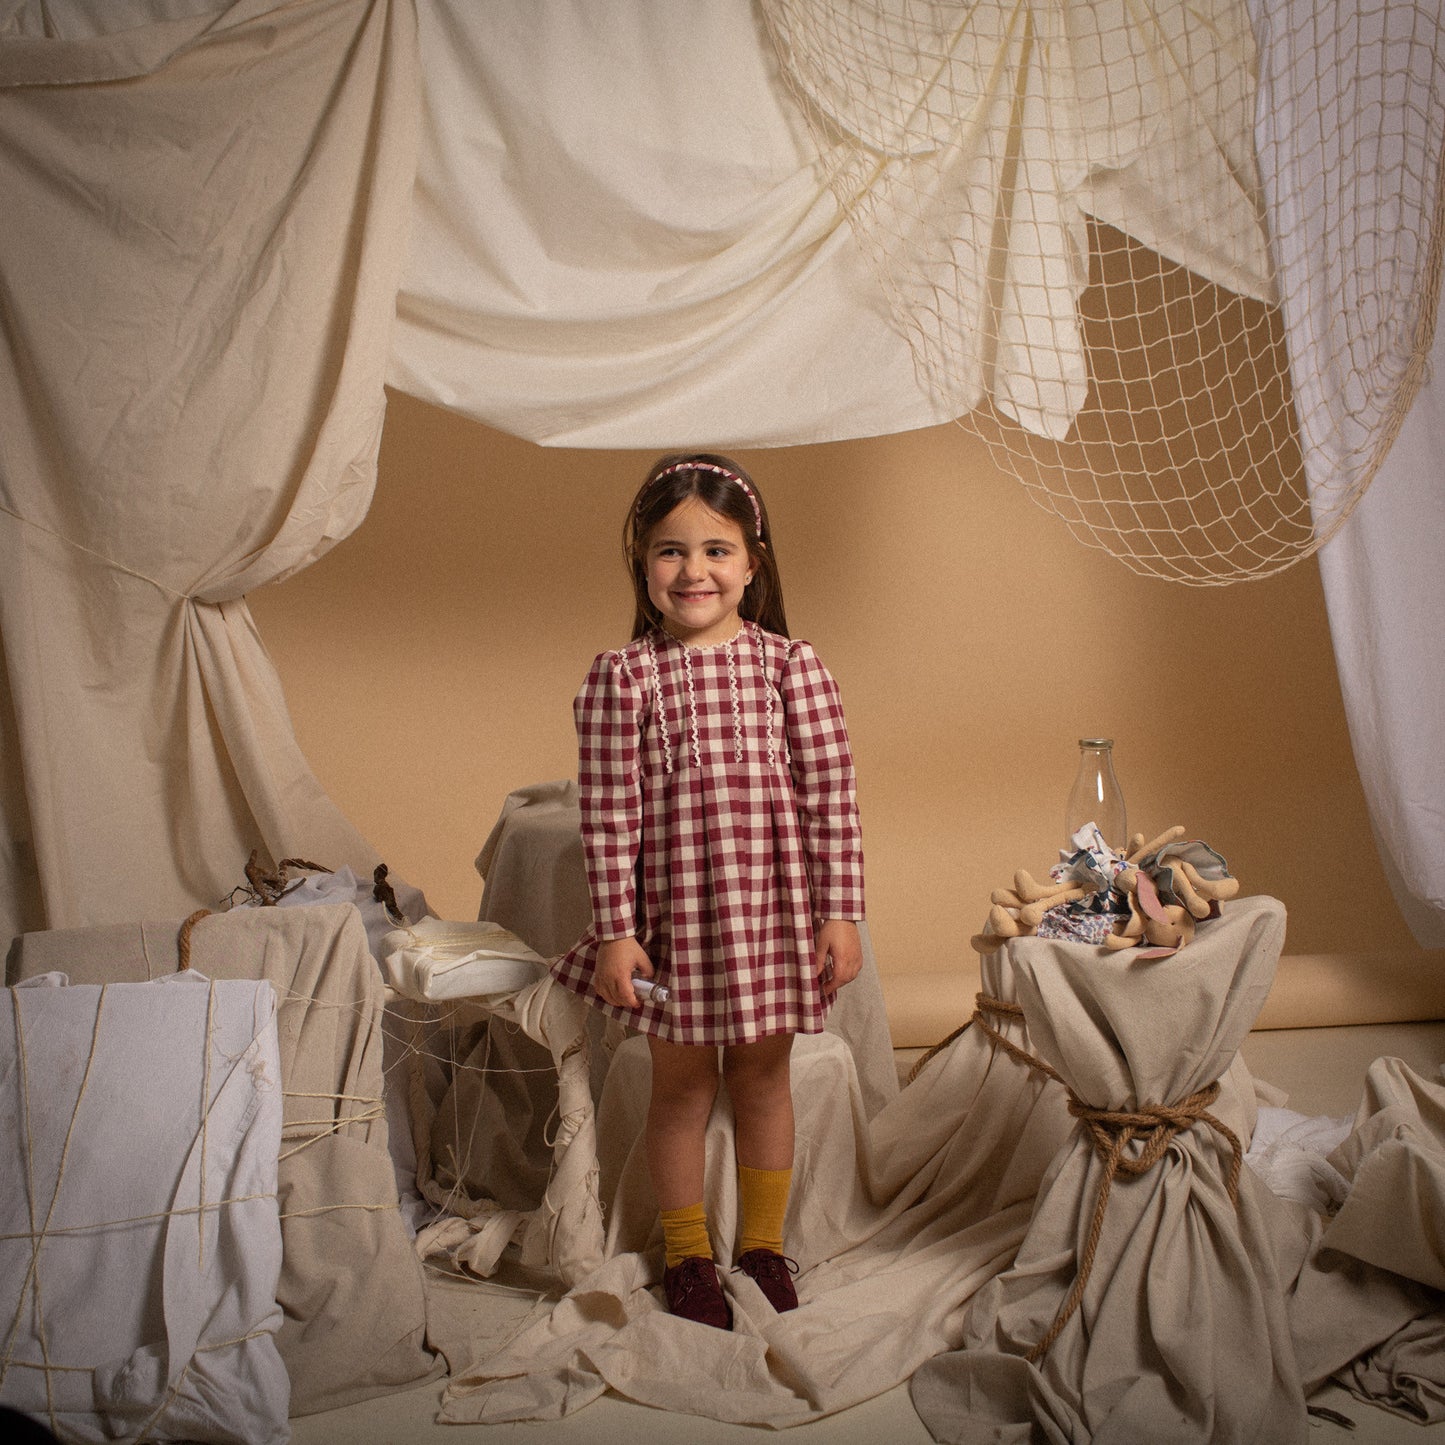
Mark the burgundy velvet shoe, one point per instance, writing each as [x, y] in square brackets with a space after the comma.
[773, 1275]
[694, 1292]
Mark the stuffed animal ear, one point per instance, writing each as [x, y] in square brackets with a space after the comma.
[1149, 901]
[1169, 933]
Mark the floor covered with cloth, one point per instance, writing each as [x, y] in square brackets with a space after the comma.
[937, 1232]
[1320, 1070]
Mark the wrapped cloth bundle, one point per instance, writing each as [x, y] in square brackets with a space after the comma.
[433, 959]
[139, 1240]
[1144, 1303]
[347, 1332]
[560, 1232]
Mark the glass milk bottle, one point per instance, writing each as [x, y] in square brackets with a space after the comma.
[1096, 797]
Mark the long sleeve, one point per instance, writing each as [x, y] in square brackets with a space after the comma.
[609, 711]
[824, 785]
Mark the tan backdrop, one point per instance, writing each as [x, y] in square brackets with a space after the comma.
[431, 659]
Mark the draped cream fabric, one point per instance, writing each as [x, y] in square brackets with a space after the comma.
[625, 237]
[1381, 575]
[198, 270]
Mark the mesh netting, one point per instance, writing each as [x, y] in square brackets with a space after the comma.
[1178, 272]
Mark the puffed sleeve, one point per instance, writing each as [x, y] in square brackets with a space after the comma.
[823, 783]
[609, 711]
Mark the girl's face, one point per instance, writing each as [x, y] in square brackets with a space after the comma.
[697, 567]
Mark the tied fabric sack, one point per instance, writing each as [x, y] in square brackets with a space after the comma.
[139, 1240]
[1179, 1332]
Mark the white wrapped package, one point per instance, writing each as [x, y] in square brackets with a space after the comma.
[139, 1240]
[433, 960]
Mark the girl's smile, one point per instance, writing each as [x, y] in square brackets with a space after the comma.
[697, 568]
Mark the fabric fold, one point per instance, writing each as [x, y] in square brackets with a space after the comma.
[198, 317]
[895, 1222]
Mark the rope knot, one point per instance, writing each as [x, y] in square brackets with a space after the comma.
[1111, 1132]
[1152, 1127]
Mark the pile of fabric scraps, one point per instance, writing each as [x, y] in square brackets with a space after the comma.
[1152, 897]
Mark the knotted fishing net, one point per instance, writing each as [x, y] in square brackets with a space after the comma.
[1176, 263]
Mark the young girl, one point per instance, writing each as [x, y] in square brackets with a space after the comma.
[723, 856]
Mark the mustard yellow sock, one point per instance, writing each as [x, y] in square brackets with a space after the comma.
[684, 1232]
[763, 1194]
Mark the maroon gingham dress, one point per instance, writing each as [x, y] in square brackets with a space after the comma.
[719, 822]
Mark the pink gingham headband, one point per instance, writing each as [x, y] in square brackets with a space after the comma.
[727, 472]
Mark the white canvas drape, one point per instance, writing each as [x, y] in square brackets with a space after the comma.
[626, 235]
[204, 223]
[1382, 577]
[1350, 130]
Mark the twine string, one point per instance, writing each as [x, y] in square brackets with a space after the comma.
[42, 1230]
[352, 1108]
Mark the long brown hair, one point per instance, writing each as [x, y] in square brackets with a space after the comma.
[672, 480]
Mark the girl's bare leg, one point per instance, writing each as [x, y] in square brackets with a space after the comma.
[760, 1086]
[684, 1085]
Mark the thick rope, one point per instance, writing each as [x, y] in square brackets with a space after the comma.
[1111, 1132]
[183, 939]
[1152, 1127]
[937, 1049]
[1001, 1008]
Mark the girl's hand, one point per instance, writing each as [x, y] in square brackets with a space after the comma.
[617, 961]
[838, 953]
